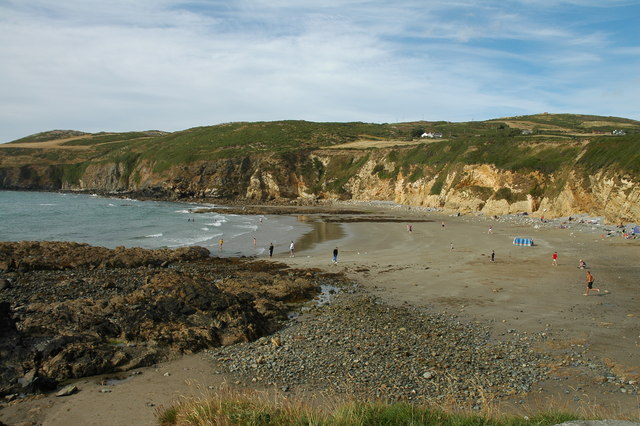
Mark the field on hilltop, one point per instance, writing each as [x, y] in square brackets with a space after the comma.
[282, 137]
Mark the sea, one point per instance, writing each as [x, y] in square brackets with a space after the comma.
[112, 222]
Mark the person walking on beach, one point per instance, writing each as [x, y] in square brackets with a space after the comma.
[335, 255]
[554, 258]
[254, 242]
[451, 245]
[292, 248]
[490, 230]
[220, 243]
[590, 280]
[493, 255]
[270, 249]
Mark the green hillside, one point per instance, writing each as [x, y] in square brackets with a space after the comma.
[543, 142]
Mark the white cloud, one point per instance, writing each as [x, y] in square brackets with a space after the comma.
[131, 65]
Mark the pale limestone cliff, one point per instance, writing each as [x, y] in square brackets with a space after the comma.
[480, 188]
[477, 188]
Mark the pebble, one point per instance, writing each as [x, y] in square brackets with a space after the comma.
[67, 390]
[361, 346]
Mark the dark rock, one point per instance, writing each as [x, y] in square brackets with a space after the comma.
[4, 283]
[31, 256]
[33, 381]
[7, 323]
[79, 310]
[6, 265]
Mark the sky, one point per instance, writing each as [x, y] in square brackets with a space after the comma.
[125, 65]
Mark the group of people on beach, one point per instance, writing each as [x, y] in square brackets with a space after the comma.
[554, 261]
[255, 245]
[581, 265]
[292, 248]
[409, 228]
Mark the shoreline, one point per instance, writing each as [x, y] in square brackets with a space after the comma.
[300, 205]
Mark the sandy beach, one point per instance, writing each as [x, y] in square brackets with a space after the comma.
[442, 265]
[521, 291]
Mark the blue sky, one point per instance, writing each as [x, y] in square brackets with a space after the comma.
[125, 65]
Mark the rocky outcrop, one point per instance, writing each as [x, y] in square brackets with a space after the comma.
[72, 310]
[485, 188]
[43, 255]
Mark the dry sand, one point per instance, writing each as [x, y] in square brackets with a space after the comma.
[520, 291]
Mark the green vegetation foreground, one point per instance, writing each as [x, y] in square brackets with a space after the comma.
[245, 409]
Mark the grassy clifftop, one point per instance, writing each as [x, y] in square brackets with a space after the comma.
[200, 143]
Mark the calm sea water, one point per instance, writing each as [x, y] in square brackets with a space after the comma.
[111, 222]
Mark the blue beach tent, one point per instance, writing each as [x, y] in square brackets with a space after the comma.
[522, 242]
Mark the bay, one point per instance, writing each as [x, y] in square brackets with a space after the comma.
[112, 222]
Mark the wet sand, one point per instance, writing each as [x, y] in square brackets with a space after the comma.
[520, 292]
[304, 230]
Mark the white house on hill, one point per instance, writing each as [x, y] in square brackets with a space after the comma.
[431, 135]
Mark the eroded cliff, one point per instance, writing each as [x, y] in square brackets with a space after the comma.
[359, 176]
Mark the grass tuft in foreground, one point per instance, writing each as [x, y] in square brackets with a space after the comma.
[233, 408]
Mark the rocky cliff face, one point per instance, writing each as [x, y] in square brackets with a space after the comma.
[357, 175]
[492, 191]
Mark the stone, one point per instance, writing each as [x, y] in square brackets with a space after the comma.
[5, 284]
[357, 327]
[600, 379]
[67, 390]
[28, 378]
